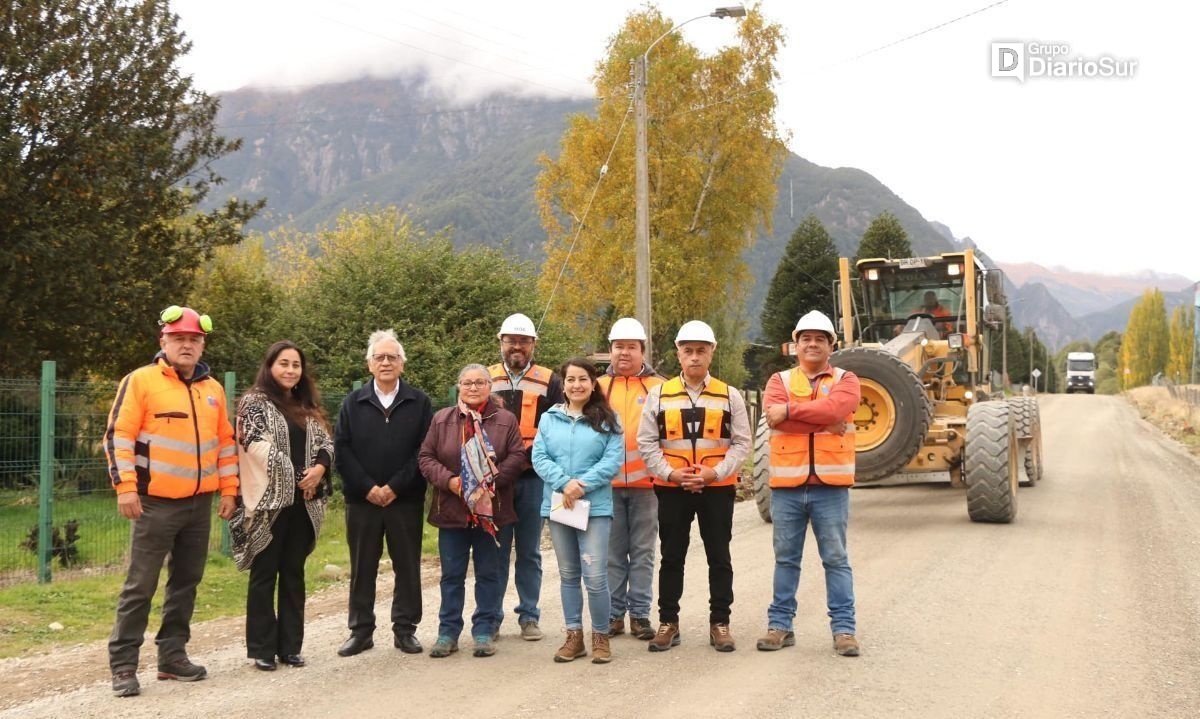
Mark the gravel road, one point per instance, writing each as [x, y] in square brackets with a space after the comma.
[1088, 605]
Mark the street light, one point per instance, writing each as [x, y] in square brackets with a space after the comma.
[642, 187]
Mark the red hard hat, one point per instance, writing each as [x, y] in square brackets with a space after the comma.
[184, 319]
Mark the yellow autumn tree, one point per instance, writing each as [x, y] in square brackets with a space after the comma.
[714, 157]
[1182, 344]
[1144, 347]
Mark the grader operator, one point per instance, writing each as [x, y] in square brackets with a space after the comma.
[918, 334]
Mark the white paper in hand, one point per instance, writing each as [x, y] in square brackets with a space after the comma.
[576, 516]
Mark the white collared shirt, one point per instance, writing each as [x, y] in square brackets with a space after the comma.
[386, 399]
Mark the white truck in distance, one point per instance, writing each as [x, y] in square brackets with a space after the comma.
[1081, 372]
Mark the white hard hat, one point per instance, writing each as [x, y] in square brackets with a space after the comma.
[815, 320]
[517, 324]
[627, 328]
[696, 331]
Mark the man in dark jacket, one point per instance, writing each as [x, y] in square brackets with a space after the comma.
[379, 432]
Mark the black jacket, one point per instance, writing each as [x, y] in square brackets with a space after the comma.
[374, 447]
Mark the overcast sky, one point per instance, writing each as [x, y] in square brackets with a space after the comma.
[1090, 173]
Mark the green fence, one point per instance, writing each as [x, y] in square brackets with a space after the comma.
[58, 513]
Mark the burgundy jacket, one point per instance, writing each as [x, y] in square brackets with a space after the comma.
[440, 462]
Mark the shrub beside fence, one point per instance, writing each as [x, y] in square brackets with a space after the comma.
[58, 513]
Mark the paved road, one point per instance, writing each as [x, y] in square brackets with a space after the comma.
[1088, 605]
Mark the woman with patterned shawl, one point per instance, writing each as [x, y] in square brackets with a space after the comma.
[284, 454]
[472, 454]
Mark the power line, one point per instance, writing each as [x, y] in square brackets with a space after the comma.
[409, 11]
[427, 51]
[731, 98]
[587, 208]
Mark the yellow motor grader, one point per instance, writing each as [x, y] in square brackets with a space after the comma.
[918, 333]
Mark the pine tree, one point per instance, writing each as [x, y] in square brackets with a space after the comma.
[106, 150]
[1182, 343]
[884, 238]
[803, 281]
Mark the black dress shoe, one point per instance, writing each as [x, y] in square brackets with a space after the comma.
[266, 665]
[408, 644]
[354, 645]
[292, 660]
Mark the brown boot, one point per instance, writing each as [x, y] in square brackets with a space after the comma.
[667, 637]
[845, 644]
[572, 648]
[616, 626]
[720, 638]
[600, 651]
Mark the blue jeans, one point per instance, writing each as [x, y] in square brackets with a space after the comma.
[527, 533]
[828, 509]
[456, 546]
[584, 554]
[631, 552]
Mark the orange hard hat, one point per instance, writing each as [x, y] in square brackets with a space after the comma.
[184, 319]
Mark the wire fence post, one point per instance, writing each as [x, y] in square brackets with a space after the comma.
[231, 411]
[45, 546]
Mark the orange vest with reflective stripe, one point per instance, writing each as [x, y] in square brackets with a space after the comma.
[533, 386]
[824, 455]
[695, 433]
[627, 395]
[167, 438]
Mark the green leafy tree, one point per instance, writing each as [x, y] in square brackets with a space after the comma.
[1146, 341]
[1182, 343]
[714, 156]
[105, 151]
[376, 270]
[803, 281]
[884, 238]
[1108, 361]
[249, 305]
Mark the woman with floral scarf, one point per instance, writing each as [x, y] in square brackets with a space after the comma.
[284, 454]
[471, 455]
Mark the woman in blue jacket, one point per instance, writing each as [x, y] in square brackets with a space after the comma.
[579, 447]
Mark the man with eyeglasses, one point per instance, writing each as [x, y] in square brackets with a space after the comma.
[528, 390]
[378, 435]
[170, 447]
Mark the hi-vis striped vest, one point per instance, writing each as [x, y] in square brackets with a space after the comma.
[695, 433]
[627, 396]
[533, 386]
[826, 456]
[171, 439]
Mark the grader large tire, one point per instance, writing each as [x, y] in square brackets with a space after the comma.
[990, 464]
[892, 416]
[761, 476]
[1029, 431]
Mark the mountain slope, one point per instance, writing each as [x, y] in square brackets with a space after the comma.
[398, 141]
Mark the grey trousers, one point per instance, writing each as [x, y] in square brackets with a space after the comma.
[174, 528]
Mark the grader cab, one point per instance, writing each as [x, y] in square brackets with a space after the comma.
[918, 333]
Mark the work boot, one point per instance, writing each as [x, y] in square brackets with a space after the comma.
[667, 637]
[484, 646]
[572, 648]
[530, 631]
[845, 644]
[640, 628]
[443, 647]
[720, 638]
[125, 684]
[776, 639]
[617, 626]
[600, 651]
[182, 670]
